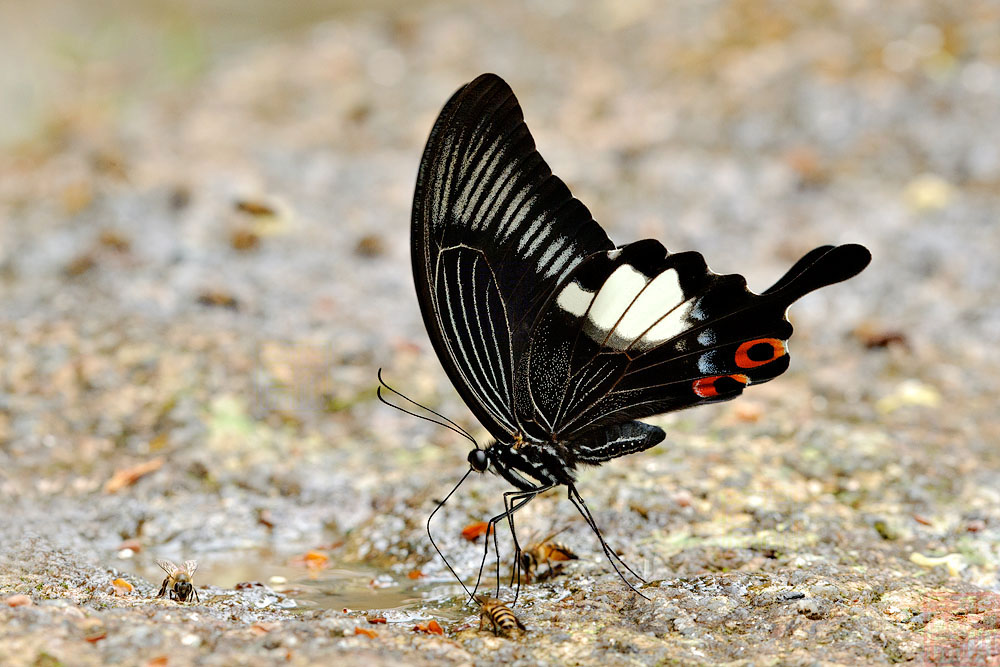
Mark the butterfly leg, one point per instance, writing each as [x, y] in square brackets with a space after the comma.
[581, 506]
[593, 524]
[514, 497]
[521, 498]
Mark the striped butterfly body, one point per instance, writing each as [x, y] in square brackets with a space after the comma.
[558, 340]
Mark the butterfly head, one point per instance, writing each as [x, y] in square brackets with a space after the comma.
[479, 460]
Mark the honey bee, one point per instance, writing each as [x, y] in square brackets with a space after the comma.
[178, 580]
[498, 614]
[544, 552]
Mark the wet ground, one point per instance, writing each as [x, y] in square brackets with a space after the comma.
[199, 281]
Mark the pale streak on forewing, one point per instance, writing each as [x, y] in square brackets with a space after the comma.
[507, 224]
[520, 213]
[553, 248]
[473, 179]
[660, 296]
[480, 179]
[500, 192]
[530, 231]
[542, 235]
[557, 265]
[574, 299]
[442, 180]
[615, 295]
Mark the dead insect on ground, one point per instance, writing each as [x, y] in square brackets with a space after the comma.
[499, 615]
[218, 299]
[255, 208]
[544, 552]
[178, 580]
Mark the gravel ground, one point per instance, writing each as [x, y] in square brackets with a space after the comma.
[198, 287]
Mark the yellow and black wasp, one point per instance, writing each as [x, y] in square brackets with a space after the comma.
[499, 615]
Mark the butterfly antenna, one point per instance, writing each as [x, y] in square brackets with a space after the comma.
[434, 544]
[447, 423]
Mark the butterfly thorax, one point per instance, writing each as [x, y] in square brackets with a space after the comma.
[529, 465]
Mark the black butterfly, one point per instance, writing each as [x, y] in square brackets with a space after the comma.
[557, 339]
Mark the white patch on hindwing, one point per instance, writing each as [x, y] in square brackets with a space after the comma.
[675, 323]
[574, 299]
[615, 296]
[630, 309]
[662, 295]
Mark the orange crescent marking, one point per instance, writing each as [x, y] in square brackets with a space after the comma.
[705, 387]
[743, 359]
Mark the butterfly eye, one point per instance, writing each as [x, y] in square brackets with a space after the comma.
[478, 460]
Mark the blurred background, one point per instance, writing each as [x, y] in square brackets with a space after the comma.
[204, 259]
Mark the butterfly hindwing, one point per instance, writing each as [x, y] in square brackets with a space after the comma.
[638, 331]
[493, 232]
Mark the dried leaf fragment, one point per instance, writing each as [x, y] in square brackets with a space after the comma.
[121, 587]
[314, 561]
[128, 476]
[474, 531]
[431, 627]
[263, 627]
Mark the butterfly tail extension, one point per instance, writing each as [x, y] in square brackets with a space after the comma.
[820, 267]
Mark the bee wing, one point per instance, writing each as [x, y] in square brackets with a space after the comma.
[552, 535]
[167, 566]
[190, 566]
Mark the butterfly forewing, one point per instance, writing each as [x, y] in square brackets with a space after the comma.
[493, 233]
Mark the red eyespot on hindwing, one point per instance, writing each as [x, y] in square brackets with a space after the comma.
[758, 352]
[719, 384]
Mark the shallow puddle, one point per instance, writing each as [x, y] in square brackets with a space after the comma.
[333, 586]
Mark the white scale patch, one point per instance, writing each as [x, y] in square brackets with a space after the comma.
[574, 299]
[639, 310]
[663, 296]
[616, 296]
[706, 364]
